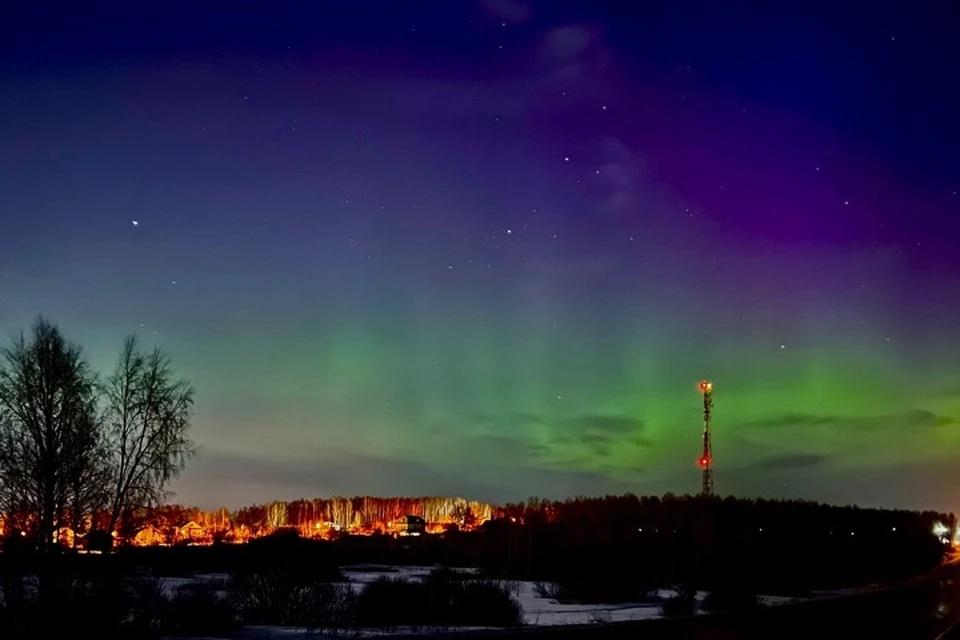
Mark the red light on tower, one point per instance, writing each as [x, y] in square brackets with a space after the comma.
[706, 458]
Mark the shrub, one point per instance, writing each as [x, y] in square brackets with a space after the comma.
[678, 605]
[99, 605]
[148, 606]
[199, 609]
[104, 606]
[282, 597]
[513, 587]
[486, 604]
[546, 590]
[683, 603]
[391, 602]
[444, 598]
[329, 606]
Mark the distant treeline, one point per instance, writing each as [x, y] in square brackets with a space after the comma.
[631, 543]
[613, 549]
[620, 547]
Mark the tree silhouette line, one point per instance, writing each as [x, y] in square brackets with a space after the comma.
[616, 547]
[75, 444]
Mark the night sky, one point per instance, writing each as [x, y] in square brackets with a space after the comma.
[489, 247]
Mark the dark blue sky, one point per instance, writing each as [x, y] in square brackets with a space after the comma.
[826, 60]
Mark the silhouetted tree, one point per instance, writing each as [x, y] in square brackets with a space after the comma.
[88, 476]
[147, 420]
[49, 429]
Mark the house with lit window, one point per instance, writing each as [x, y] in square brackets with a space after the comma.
[192, 533]
[149, 536]
[409, 526]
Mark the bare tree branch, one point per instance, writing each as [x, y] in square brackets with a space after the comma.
[148, 421]
[49, 431]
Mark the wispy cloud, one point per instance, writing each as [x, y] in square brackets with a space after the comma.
[913, 419]
[584, 441]
[575, 55]
[619, 174]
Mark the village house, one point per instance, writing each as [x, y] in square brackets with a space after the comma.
[409, 526]
[192, 533]
[149, 536]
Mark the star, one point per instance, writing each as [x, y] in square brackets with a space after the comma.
[135, 222]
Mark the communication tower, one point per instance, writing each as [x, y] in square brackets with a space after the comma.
[706, 458]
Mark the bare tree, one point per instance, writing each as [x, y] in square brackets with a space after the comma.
[148, 420]
[47, 407]
[89, 475]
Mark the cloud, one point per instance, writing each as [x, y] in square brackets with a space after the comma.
[620, 172]
[584, 441]
[511, 11]
[603, 424]
[791, 461]
[913, 419]
[600, 435]
[568, 43]
[738, 441]
[575, 56]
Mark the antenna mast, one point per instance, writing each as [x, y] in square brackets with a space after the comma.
[706, 458]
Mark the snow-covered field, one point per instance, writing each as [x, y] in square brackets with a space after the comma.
[536, 610]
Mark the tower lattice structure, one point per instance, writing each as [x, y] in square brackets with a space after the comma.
[706, 457]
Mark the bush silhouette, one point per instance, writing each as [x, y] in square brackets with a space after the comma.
[444, 598]
[199, 609]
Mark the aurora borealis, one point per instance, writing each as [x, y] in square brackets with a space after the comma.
[489, 248]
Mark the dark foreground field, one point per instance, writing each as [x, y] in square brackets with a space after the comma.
[921, 609]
